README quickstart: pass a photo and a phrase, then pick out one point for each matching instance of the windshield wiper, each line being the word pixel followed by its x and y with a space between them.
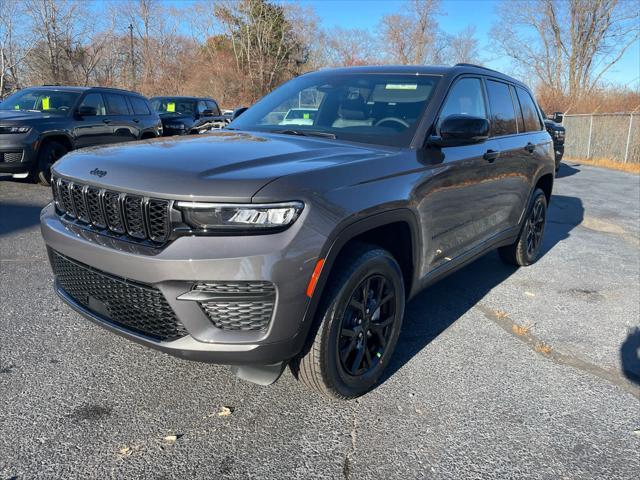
pixel 306 133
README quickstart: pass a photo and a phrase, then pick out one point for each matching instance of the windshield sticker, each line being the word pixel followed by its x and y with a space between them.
pixel 171 107
pixel 17 107
pixel 401 86
pixel 45 103
pixel 305 116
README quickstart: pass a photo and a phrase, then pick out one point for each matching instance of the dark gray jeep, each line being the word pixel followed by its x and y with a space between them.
pixel 272 243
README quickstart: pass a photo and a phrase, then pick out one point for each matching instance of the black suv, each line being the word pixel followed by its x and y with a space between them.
pixel 38 125
pixel 298 241
pixel 188 115
pixel 557 132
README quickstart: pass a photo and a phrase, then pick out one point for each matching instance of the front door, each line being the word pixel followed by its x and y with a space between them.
pixel 93 130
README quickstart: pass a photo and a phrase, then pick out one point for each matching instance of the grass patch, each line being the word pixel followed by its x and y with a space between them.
pixel 543 348
pixel 607 163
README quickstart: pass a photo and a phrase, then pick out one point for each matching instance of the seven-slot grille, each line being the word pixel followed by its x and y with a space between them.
pixel 137 217
pixel 134 306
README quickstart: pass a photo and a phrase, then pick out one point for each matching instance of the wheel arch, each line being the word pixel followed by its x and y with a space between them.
pixel 375 230
pixel 58 137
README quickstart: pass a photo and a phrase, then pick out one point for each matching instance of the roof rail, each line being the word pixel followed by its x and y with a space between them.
pixel 116 89
pixel 475 66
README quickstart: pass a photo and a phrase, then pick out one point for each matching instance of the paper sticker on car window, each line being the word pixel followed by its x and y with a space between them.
pixel 17 107
pixel 401 86
pixel 305 116
pixel 171 107
pixel 45 103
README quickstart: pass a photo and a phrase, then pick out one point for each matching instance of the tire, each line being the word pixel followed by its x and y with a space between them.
pixel 526 249
pixel 49 153
pixel 370 342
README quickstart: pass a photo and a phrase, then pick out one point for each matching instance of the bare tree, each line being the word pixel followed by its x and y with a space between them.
pixel 348 47
pixel 463 47
pixel 567 44
pixel 14 46
pixel 413 37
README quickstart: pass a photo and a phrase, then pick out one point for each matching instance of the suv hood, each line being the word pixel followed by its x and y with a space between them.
pixel 17 116
pixel 223 166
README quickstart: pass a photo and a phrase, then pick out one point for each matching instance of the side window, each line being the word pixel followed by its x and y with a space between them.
pixel 503 115
pixel 139 106
pixel 116 104
pixel 96 101
pixel 213 107
pixel 465 98
pixel 529 111
pixel 201 107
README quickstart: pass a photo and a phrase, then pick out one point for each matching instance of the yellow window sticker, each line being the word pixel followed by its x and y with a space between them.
pixel 305 116
pixel 45 103
pixel 171 107
pixel 17 107
pixel 401 86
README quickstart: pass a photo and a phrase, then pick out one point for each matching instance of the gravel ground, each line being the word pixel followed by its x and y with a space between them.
pixel 469 395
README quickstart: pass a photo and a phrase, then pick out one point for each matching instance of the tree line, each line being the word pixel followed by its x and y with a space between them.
pixel 238 50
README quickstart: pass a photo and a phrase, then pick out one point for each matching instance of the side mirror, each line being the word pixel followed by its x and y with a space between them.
pixel 557 117
pixel 238 111
pixel 457 130
pixel 87 111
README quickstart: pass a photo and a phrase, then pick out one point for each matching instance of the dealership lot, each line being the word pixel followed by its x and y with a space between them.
pixel 499 372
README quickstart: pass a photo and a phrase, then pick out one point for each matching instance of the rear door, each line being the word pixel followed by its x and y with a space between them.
pixel 93 130
pixel 460 207
pixel 120 118
pixel 513 168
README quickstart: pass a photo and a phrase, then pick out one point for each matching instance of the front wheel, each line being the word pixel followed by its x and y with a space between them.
pixel 359 321
pixel 49 153
pixel 526 250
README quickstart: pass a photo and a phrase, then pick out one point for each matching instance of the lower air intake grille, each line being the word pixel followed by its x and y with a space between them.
pixel 137 307
pixel 11 157
pixel 239 306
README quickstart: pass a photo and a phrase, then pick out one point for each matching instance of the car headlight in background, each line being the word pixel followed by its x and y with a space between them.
pixel 14 129
pixel 256 217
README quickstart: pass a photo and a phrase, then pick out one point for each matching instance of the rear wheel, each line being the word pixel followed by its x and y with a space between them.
pixel 49 153
pixel 526 250
pixel 359 321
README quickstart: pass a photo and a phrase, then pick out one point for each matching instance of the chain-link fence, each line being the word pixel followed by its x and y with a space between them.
pixel 612 136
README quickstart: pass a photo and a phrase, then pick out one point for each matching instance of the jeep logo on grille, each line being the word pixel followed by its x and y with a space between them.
pixel 98 172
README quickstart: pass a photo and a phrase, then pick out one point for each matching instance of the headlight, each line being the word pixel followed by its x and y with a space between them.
pixel 255 217
pixel 14 129
pixel 176 126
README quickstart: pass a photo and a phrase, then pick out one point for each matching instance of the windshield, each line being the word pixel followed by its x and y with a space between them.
pixel 370 108
pixel 178 106
pixel 54 102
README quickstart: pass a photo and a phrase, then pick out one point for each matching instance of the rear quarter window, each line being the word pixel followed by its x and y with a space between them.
pixel 532 121
pixel 140 106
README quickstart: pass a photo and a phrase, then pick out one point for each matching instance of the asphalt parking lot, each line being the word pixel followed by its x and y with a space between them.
pixel 528 373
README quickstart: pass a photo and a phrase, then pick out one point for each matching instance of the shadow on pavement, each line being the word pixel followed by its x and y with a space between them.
pixel 438 307
pixel 566 170
pixel 16 216
pixel 630 356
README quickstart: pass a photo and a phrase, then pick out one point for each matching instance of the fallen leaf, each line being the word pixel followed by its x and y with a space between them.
pixel 543 348
pixel 418 411
pixel 225 411
pixel 171 438
pixel 500 314
pixel 522 329
pixel 125 451
pixel 530 294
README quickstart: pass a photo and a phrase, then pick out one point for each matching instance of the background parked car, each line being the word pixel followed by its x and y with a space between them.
pixel 38 125
pixel 188 115
pixel 557 132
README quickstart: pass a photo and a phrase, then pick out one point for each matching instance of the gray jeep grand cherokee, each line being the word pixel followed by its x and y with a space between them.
pixel 269 244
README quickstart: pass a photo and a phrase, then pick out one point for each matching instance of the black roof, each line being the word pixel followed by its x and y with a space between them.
pixel 421 70
pixel 73 88
pixel 183 97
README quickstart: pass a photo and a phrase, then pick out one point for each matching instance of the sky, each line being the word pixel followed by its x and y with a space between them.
pixel 456 15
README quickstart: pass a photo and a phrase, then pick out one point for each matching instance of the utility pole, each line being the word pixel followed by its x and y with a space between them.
pixel 131 58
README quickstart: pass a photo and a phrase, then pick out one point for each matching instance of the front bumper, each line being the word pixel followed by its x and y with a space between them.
pixel 285 259
pixel 17 153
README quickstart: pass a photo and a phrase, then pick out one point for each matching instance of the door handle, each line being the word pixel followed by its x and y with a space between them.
pixel 530 147
pixel 136 120
pixel 490 155
pixel 107 121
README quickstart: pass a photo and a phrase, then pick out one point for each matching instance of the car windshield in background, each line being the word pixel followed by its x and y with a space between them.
pixel 54 102
pixel 370 108
pixel 179 106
